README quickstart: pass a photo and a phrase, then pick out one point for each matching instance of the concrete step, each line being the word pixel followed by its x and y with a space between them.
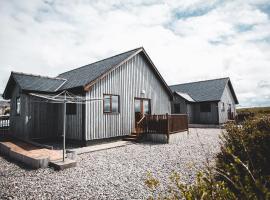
pixel 60 165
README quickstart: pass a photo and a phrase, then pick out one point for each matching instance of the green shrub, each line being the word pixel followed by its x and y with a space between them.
pixel 245 158
pixel 242 169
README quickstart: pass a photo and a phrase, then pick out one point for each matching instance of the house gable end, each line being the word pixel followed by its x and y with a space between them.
pixel 143 53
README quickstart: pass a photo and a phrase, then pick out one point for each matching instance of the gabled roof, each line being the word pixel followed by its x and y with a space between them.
pixel 83 75
pixel 208 90
pixel 30 82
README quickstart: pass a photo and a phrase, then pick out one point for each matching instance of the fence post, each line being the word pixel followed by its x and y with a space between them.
pixel 168 127
pixel 187 124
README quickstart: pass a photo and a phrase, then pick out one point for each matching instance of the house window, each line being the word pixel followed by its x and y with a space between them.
pixel 71 109
pixel 111 103
pixel 177 109
pixel 18 105
pixel 205 107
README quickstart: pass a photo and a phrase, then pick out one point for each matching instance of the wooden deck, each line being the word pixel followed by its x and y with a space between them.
pixel 164 124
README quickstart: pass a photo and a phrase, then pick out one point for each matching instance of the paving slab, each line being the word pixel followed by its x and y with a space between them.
pixel 61 165
pixel 98 147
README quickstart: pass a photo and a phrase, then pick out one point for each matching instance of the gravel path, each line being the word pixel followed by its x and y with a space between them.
pixel 117 173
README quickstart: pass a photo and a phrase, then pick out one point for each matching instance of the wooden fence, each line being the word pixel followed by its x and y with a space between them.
pixel 4 124
pixel 164 124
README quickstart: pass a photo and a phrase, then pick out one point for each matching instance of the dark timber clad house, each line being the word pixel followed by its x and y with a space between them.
pixel 128 83
pixel 205 102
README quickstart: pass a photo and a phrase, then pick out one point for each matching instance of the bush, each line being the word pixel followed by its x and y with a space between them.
pixel 245 158
pixel 241 171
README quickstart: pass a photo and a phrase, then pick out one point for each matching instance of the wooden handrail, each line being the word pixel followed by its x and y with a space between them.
pixel 141 120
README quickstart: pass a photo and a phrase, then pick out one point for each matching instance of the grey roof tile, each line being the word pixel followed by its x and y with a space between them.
pixel 88 73
pixel 37 83
pixel 209 90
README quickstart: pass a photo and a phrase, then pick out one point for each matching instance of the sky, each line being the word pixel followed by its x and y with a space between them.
pixel 188 40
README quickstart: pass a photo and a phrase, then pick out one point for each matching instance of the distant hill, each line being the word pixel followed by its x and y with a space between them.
pixel 255 110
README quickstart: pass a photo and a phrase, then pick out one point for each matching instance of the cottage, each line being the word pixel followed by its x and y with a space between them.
pixel 205 102
pixel 129 86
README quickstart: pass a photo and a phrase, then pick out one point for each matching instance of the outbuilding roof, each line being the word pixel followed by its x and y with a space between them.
pixel 208 90
pixel 31 82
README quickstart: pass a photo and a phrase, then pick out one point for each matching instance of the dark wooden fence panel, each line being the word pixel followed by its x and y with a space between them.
pixel 177 123
pixel 155 124
pixel 164 124
pixel 4 124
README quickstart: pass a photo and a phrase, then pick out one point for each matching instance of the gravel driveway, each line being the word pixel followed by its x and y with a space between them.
pixel 117 173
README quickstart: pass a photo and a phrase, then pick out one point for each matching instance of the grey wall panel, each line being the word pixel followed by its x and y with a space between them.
pixel 183 105
pixel 199 117
pixel 74 124
pixel 128 81
pixel 227 99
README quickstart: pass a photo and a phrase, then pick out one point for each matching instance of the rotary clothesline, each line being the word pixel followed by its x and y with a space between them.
pixel 63 97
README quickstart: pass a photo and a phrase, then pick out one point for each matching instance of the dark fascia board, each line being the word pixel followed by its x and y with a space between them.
pixel 8 88
pixel 88 85
pixel 233 92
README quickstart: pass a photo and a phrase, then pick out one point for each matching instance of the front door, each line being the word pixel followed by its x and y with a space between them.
pixel 142 107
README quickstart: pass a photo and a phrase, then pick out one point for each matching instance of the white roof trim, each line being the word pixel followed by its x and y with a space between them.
pixel 185 96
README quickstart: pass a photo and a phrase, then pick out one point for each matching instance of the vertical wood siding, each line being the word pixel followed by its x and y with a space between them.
pixel 74 124
pixel 18 125
pixel 183 105
pixel 127 81
pixel 41 120
pixel 227 98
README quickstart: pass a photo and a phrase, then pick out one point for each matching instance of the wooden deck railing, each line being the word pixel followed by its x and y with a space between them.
pixel 4 124
pixel 164 124
pixel 177 123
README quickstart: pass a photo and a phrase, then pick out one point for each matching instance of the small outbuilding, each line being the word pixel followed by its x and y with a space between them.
pixel 205 102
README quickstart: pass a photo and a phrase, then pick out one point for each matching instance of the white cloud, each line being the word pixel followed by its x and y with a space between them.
pixel 187 40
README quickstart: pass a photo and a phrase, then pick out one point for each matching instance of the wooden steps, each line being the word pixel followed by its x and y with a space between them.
pixel 133 137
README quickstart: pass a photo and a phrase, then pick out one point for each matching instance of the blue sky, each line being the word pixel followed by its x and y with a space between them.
pixel 188 40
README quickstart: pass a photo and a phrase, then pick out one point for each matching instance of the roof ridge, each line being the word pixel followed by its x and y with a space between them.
pixel 101 60
pixel 200 81
pixel 36 75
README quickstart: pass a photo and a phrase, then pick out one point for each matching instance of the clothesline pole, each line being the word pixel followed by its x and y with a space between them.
pixel 64 128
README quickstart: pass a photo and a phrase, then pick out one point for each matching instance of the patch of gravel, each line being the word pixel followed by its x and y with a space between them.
pixel 117 173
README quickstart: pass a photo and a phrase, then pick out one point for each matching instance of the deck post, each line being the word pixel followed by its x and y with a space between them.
pixel 168 127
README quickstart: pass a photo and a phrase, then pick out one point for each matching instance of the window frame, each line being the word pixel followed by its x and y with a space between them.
pixel 18 98
pixel 118 105
pixel 202 108
pixel 69 109
pixel 141 104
